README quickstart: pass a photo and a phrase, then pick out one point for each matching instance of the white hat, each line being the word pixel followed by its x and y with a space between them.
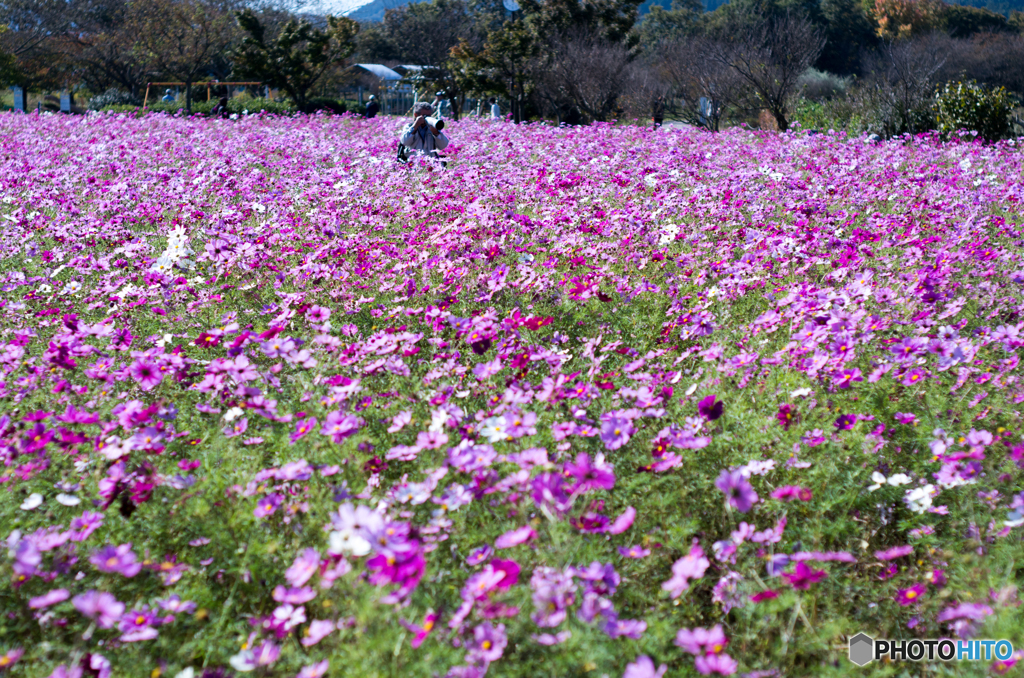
pixel 371 96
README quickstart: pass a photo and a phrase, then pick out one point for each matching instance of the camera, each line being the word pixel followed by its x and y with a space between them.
pixel 438 124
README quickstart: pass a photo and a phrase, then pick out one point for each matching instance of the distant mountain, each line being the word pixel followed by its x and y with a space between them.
pixel 364 10
pixel 373 10
pixel 1003 7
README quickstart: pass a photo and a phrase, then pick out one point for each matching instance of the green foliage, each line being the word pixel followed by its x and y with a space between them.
pixel 848 31
pixel 298 58
pixel 240 106
pixel 963 21
pixel 8 64
pixel 972 107
pixel 660 24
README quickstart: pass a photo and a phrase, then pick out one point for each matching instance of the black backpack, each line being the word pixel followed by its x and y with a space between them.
pixel 403 153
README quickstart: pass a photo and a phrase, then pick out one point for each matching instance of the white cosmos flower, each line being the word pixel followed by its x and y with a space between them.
pixel 68 500
pixel 494 429
pixel 800 393
pixel 894 481
pixel 347 541
pixel 33 502
pixel 919 499
pixel 244 661
pixel 233 413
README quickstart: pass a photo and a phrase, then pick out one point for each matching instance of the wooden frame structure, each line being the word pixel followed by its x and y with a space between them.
pixel 212 83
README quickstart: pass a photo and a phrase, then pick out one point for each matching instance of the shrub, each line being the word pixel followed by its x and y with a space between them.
pixel 970 106
pixel 327 104
pixel 240 106
pixel 819 85
pixel 113 97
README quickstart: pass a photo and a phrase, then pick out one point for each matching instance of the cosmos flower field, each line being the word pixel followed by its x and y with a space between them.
pixel 590 402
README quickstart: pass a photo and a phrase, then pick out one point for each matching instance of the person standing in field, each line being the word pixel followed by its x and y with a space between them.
pixel 421 136
pixel 221 109
pixel 438 104
pixel 658 112
pixel 495 110
pixel 372 107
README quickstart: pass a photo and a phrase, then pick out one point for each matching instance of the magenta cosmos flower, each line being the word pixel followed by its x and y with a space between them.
pixel 803 576
pixel 910 595
pixel 738 492
pixel 146 373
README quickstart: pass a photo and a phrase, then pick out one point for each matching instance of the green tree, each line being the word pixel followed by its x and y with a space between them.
pixel 612 20
pixel 182 38
pixel 298 58
pixel 504 67
pixel 425 33
pixel 8 65
pixel 848 31
pixel 662 25
pixel 962 21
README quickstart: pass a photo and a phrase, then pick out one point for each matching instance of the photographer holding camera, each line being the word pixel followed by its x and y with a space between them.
pixel 424 134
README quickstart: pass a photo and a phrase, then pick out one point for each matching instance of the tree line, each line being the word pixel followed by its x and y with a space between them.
pixel 572 61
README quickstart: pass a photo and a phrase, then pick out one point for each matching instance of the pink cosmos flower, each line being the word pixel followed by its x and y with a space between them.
pixel 691 566
pixel 317 630
pixel 145 373
pixel 314 670
pixel 117 559
pixel 911 595
pixel 102 607
pixel 845 378
pixel 302 427
pixel 10 658
pixel 721 664
pixel 616 430
pixel 634 552
pixel 700 641
pixel 894 552
pixel 791 492
pixel 643 667
pixel 305 566
pixel 267 505
pixel 515 537
pixel 47 599
pixel 421 631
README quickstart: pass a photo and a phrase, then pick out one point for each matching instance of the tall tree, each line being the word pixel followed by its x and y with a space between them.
pixel 848 31
pixel 298 58
pixel 505 67
pixel 425 33
pixel 8 64
pixel 612 20
pixel 662 25
pixel 183 37
pixel 104 48
pixel 35 30
pixel 770 53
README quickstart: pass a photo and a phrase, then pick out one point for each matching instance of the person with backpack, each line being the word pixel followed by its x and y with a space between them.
pixel 372 108
pixel 421 135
